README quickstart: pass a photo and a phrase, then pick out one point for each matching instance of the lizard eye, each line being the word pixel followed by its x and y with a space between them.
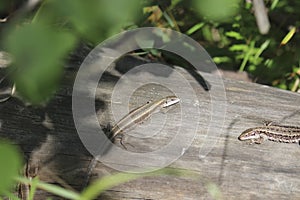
pixel 252 134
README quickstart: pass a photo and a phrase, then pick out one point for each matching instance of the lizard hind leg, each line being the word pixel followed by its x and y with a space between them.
pixel 259 140
pixel 121 140
pixel 270 123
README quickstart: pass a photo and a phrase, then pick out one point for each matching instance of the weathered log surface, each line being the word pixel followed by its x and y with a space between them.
pixel 48 136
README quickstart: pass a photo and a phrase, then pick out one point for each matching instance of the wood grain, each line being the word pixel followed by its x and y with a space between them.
pixel 48 137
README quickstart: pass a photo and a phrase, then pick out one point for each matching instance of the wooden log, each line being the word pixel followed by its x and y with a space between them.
pixel 49 138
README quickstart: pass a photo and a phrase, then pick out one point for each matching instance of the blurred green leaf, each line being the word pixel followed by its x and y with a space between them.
pixel 288 36
pixel 217 10
pixel 107 182
pixel 252 68
pixel 94 20
pixel 169 20
pixel 235 35
pixel 174 3
pixel 33 187
pixel 274 4
pixel 221 59
pixel 54 189
pixel 10 165
pixel 239 47
pixel 143 41
pixel 207 34
pixel 214 191
pixel 281 85
pixel 263 47
pixel 38 54
pixel 195 28
pixel 249 52
pixel 110 181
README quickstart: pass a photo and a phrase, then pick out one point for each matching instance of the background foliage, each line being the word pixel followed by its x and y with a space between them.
pixel 41 39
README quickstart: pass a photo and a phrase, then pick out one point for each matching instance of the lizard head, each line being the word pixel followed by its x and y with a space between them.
pixel 170 100
pixel 249 134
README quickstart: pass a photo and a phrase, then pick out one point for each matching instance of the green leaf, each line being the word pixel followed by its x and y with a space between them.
pixel 144 42
pixel 107 182
pixel 94 20
pixel 252 68
pixel 263 47
pixel 54 189
pixel 288 36
pixel 169 19
pixel 274 4
pixel 247 56
pixel 239 47
pixel 110 181
pixel 214 191
pixel 10 166
pixel 221 59
pixel 217 10
pixel 33 187
pixel 195 28
pixel 235 35
pixel 38 52
pixel 174 3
